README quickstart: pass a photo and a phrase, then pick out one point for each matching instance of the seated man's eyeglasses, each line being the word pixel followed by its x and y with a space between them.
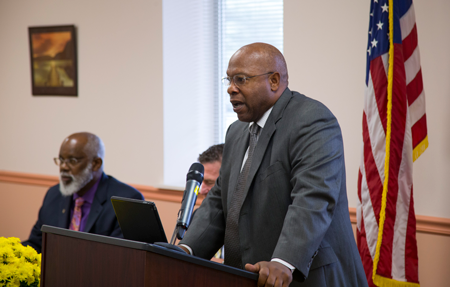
pixel 240 80
pixel 69 161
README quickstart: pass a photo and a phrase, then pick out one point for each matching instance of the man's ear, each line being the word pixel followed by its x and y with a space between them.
pixel 274 80
pixel 97 164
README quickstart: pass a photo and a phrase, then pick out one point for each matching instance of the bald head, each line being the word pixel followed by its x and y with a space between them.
pixel 267 57
pixel 258 77
pixel 91 144
pixel 81 156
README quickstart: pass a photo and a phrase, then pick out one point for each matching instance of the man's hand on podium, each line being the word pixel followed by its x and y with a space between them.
pixel 271 273
pixel 184 249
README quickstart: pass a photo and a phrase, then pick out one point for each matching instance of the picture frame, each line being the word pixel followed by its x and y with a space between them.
pixel 53 57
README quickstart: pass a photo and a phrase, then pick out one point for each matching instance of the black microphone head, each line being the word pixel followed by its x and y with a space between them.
pixel 196 172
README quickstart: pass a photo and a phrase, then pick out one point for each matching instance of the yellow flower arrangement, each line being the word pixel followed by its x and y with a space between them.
pixel 19 265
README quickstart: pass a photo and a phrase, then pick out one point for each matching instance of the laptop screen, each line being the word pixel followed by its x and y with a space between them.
pixel 138 219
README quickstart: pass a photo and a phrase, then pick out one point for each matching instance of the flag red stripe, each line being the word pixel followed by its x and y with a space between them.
pixel 419 131
pixel 379 80
pixel 374 183
pixel 411 258
pixel 415 88
pixel 398 125
pixel 410 43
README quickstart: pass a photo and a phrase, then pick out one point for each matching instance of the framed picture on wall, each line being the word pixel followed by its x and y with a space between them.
pixel 53 60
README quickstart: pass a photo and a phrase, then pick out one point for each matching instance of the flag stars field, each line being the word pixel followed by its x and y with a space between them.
pixel 380 25
pixel 374 43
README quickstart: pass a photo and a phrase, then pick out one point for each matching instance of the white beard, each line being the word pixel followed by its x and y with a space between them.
pixel 77 183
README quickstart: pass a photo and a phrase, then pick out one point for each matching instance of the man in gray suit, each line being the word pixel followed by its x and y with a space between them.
pixel 291 223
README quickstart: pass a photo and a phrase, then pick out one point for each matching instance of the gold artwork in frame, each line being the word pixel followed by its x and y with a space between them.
pixel 53 60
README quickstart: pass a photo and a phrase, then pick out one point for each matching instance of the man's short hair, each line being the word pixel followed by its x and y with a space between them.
pixel 212 154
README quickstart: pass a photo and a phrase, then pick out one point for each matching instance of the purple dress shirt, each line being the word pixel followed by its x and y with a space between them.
pixel 86 207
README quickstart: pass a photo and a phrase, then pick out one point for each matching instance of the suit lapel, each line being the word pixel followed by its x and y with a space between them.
pixel 242 145
pixel 258 154
pixel 265 136
pixel 64 211
pixel 97 204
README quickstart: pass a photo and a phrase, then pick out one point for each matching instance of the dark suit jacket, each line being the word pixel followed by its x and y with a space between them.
pixel 55 210
pixel 295 205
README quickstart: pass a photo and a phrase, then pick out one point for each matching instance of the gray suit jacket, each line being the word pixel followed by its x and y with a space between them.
pixel 295 205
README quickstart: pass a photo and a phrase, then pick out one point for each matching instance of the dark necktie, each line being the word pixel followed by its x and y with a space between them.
pixel 232 244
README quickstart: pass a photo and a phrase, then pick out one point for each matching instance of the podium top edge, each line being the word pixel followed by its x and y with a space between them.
pixel 147 247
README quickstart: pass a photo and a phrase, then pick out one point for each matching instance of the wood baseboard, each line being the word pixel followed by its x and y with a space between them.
pixel 425 224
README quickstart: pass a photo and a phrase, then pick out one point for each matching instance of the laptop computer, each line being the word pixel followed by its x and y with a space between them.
pixel 138 219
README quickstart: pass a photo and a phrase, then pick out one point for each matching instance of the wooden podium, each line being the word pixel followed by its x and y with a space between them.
pixel 72 258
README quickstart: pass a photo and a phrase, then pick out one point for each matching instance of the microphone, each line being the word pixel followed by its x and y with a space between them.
pixel 194 180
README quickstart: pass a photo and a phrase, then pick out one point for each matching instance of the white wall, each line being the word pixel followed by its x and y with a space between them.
pixel 121 85
pixel 325 46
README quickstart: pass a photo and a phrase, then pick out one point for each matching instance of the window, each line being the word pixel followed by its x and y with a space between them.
pixel 242 22
pixel 199 37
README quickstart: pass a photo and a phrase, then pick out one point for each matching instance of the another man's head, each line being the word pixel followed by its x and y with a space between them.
pixel 211 160
pixel 80 163
pixel 258 75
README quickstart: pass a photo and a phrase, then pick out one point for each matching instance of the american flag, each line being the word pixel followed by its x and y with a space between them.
pixel 394 135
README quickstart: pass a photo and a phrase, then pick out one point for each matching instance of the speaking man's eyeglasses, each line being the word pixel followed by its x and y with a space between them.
pixel 240 80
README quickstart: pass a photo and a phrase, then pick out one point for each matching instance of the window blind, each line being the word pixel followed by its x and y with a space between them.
pixel 199 37
pixel 242 22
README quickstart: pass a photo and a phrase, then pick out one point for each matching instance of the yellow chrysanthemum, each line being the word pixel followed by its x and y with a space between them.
pixel 15 282
pixel 18 263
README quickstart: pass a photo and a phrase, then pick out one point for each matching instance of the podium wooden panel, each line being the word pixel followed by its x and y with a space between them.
pixel 71 258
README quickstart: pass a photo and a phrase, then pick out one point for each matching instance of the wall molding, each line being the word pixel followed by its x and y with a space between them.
pixel 154 193
pixel 169 195
pixel 424 224
pixel 28 178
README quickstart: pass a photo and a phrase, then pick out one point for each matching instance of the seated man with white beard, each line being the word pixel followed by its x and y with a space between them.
pixel 82 199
